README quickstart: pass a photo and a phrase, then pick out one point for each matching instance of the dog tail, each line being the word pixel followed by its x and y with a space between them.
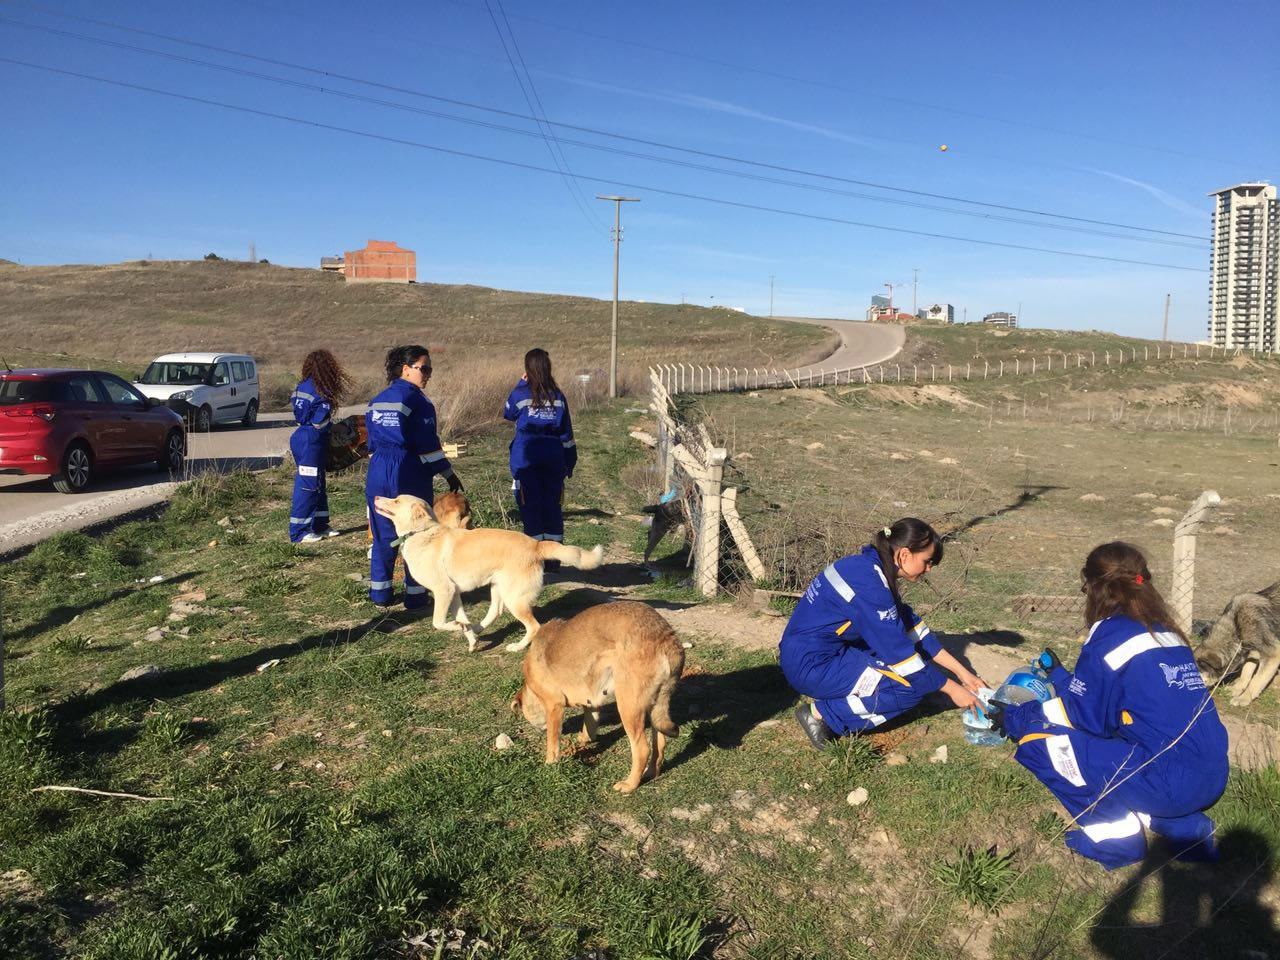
pixel 660 715
pixel 573 556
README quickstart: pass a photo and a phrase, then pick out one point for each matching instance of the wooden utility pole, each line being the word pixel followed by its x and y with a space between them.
pixel 617 241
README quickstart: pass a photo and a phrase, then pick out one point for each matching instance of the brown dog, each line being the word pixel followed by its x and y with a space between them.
pixel 621 651
pixel 448 561
pixel 453 510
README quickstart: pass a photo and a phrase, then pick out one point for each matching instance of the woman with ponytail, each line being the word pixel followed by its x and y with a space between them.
pixel 858 650
pixel 1132 741
pixel 323 386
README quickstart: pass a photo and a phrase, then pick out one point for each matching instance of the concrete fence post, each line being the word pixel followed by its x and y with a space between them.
pixel 1017 365
pixel 707 564
pixel 1002 368
pixel 1184 557
pixel 986 366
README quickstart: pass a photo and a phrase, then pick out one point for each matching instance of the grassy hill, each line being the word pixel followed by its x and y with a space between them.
pixel 122 315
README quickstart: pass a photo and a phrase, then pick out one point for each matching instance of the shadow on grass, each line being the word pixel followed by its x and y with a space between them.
pixel 172 684
pixel 1028 495
pixel 1206 910
pixel 65 613
pixel 719 710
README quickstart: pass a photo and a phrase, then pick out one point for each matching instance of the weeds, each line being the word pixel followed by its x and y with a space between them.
pixel 855 756
pixel 676 938
pixel 980 877
pixel 1048 826
pixel 71 643
pixel 166 731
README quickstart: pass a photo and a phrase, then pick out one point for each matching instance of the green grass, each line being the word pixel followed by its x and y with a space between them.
pixel 349 796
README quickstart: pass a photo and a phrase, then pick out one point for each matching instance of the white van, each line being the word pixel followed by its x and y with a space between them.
pixel 220 387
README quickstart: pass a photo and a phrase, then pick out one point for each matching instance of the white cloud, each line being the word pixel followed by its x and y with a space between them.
pixel 1168 199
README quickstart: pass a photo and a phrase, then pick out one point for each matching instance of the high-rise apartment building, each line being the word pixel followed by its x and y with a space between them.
pixel 1244 267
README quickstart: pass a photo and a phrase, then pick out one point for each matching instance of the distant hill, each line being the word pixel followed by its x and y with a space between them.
pixel 123 315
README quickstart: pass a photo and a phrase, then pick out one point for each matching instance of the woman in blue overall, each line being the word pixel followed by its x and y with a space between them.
pixel 324 383
pixel 1132 740
pixel 543 453
pixel 858 650
pixel 405 454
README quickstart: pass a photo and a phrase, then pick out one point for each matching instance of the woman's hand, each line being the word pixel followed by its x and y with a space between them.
pixel 972 682
pixel 961 697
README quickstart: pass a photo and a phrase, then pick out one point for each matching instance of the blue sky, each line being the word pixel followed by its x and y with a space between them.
pixel 1112 112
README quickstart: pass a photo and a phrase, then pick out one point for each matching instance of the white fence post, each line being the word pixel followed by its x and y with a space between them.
pixel 1017 365
pixel 707 563
pixel 1002 368
pixel 986 366
pixel 1184 557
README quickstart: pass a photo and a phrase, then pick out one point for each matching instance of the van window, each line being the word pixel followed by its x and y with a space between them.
pixel 221 375
pixel 249 370
pixel 237 370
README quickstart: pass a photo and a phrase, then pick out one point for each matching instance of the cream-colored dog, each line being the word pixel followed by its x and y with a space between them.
pixel 448 561
pixel 621 651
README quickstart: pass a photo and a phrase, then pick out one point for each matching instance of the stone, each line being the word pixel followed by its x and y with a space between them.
pixel 1093 497
pixel 503 742
pixel 136 673
pixel 895 759
pixel 153 635
pixel 939 755
pixel 858 797
pixel 224 522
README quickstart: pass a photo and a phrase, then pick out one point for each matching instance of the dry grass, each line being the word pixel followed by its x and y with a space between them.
pixel 122 315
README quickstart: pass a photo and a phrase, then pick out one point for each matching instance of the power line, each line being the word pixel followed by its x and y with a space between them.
pixel 582 129
pixel 671 161
pixel 609 180
pixel 544 129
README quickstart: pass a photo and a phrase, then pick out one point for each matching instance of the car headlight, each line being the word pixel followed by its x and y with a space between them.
pixel 180 395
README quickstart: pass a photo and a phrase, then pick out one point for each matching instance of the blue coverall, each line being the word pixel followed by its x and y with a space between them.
pixel 405 455
pixel 1105 746
pixel 847 647
pixel 309 443
pixel 543 455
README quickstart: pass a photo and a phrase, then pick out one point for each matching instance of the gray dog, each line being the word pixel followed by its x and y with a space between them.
pixel 1248 631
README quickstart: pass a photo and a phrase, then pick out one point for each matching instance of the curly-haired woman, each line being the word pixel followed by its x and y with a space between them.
pixel 324 384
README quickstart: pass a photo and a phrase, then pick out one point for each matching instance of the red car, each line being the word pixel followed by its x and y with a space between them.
pixel 68 424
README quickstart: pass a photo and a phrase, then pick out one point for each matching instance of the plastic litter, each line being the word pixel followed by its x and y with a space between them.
pixel 1021 687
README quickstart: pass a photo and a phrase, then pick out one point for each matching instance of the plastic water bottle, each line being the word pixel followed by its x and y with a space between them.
pixel 977 728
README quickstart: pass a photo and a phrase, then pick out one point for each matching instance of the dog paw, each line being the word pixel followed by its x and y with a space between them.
pixel 517 646
pixel 1241 701
pixel 625 786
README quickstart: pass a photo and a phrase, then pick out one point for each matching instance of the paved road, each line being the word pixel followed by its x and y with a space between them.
pixel 862 344
pixel 30 509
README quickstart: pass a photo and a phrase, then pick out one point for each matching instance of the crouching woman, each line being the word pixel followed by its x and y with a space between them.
pixel 1132 740
pixel 858 650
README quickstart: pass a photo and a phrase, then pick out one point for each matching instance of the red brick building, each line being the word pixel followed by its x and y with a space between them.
pixel 381 261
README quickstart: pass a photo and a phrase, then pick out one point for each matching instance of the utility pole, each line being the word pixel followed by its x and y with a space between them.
pixel 890 286
pixel 617 242
pixel 771 295
pixel 914 276
pixel 253 252
pixel 1165 335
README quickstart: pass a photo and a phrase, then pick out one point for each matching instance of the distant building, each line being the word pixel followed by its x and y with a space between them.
pixel 1244 267
pixel 382 261
pixel 879 300
pixel 331 264
pixel 1001 318
pixel 939 313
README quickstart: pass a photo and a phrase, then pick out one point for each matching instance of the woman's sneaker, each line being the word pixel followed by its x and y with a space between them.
pixel 311 537
pixel 814 728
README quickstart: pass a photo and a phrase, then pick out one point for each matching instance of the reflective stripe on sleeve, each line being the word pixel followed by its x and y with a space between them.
pixel 1113 829
pixel 521 404
pixel 301 395
pixel 921 631
pixel 322 424
pixel 1055 711
pixel 837 581
pixel 567 444
pixel 434 457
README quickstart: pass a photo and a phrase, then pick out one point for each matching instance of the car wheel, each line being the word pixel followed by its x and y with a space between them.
pixel 173 454
pixel 204 419
pixel 250 414
pixel 77 469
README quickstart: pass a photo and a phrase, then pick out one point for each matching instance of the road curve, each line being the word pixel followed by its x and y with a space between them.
pixel 861 344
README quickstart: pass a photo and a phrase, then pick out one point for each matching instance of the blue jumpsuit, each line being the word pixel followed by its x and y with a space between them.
pixel 848 648
pixel 405 454
pixel 310 446
pixel 543 456
pixel 1100 746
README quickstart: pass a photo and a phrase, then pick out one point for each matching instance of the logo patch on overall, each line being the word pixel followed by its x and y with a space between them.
pixel 1183 676
pixel 890 614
